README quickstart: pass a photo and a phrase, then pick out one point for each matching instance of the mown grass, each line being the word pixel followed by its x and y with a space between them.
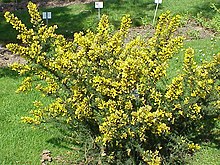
pixel 20 143
pixel 204 50
pixel 208 155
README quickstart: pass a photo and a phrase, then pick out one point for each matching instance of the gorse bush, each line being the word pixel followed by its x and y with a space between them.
pixel 108 86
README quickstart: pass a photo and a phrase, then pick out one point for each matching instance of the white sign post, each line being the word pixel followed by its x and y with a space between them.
pixel 47 16
pixel 99 6
pixel 157 2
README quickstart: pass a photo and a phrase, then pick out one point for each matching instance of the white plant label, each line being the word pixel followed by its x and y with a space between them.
pixel 44 15
pixel 158 1
pixel 47 15
pixel 98 5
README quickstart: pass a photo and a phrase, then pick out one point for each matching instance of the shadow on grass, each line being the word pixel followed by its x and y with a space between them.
pixel 7 33
pixel 211 132
pixel 80 17
pixel 75 138
pixel 87 16
pixel 7 72
pixel 206 10
pixel 61 142
pixel 68 138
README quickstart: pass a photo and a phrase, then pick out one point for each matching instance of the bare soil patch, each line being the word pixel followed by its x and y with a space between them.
pixel 7 58
pixel 191 30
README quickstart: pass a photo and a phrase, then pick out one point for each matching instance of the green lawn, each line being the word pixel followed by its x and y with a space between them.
pixel 208 155
pixel 204 51
pixel 20 143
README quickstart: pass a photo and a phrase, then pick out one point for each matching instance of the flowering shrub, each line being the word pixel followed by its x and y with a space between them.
pixel 110 86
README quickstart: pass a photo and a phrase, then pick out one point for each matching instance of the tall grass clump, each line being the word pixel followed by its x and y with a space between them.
pixel 106 89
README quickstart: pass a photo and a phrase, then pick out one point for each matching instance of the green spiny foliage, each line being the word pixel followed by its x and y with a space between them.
pixel 109 86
